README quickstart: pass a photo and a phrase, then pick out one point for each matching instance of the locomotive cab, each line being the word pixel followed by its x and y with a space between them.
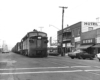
pixel 34 44
pixel 38 45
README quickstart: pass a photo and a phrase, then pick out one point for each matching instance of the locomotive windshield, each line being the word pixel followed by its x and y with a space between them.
pixel 42 34
pixel 32 34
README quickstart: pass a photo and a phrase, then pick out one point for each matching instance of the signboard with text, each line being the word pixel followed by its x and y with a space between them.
pixel 88 26
pixel 88 41
pixel 90 23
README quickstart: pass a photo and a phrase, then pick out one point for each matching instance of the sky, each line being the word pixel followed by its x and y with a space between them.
pixel 17 17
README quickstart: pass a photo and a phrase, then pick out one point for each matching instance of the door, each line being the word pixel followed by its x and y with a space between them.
pixel 39 43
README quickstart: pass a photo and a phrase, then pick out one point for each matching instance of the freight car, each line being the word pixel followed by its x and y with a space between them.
pixel 16 48
pixel 33 44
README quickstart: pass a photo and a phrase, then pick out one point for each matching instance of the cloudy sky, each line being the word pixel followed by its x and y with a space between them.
pixel 17 17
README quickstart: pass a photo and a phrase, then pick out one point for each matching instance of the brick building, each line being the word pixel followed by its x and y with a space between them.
pixel 72 35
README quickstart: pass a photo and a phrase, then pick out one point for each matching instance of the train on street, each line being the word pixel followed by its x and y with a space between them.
pixel 33 44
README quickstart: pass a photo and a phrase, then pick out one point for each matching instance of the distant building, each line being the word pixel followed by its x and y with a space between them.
pixel 72 34
pixel 53 43
pixel 4 48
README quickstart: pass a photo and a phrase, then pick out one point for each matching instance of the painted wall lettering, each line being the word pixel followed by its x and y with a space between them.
pixel 90 23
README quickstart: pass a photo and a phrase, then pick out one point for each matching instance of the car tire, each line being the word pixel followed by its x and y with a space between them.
pixel 72 57
pixel 84 58
pixel 79 57
pixel 91 58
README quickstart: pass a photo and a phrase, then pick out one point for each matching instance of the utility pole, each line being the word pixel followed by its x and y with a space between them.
pixel 41 28
pixel 62 53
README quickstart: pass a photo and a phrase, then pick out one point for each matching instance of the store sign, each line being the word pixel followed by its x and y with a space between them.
pixel 90 24
pixel 88 41
pixel 77 39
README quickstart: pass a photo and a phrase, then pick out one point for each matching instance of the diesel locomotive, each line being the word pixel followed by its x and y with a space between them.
pixel 33 44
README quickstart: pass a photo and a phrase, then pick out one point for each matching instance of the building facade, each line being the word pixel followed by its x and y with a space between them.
pixel 72 35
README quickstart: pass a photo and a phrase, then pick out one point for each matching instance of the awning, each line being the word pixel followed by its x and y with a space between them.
pixel 97 46
pixel 84 46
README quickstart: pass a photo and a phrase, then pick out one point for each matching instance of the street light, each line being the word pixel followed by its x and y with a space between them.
pixel 53 26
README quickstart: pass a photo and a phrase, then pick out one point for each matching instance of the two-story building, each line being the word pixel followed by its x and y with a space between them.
pixel 90 41
pixel 97 41
pixel 72 34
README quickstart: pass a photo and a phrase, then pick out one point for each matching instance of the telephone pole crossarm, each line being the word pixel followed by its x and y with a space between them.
pixel 41 28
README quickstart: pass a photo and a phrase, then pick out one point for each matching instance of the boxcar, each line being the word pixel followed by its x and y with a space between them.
pixel 34 44
pixel 16 48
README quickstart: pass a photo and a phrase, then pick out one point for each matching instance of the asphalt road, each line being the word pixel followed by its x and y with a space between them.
pixel 17 67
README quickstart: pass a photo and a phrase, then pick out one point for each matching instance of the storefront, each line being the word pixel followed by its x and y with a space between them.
pixel 67 46
pixel 88 45
pixel 97 46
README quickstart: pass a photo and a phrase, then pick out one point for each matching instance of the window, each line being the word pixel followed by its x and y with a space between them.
pixel 90 28
pixel 86 41
pixel 78 31
pixel 91 40
pixel 83 41
pixel 72 33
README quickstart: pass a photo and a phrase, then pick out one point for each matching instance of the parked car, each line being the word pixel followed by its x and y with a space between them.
pixel 98 56
pixel 85 55
pixel 80 54
pixel 74 54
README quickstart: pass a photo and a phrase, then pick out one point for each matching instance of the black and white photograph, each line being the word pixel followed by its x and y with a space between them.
pixel 49 40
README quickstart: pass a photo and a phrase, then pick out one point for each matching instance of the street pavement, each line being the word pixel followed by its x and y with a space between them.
pixel 17 67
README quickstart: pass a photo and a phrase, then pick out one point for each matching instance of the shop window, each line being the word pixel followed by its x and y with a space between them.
pixel 91 40
pixel 86 41
pixel 83 41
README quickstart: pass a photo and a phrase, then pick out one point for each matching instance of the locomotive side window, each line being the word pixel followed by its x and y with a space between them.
pixel 46 41
pixel 31 39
